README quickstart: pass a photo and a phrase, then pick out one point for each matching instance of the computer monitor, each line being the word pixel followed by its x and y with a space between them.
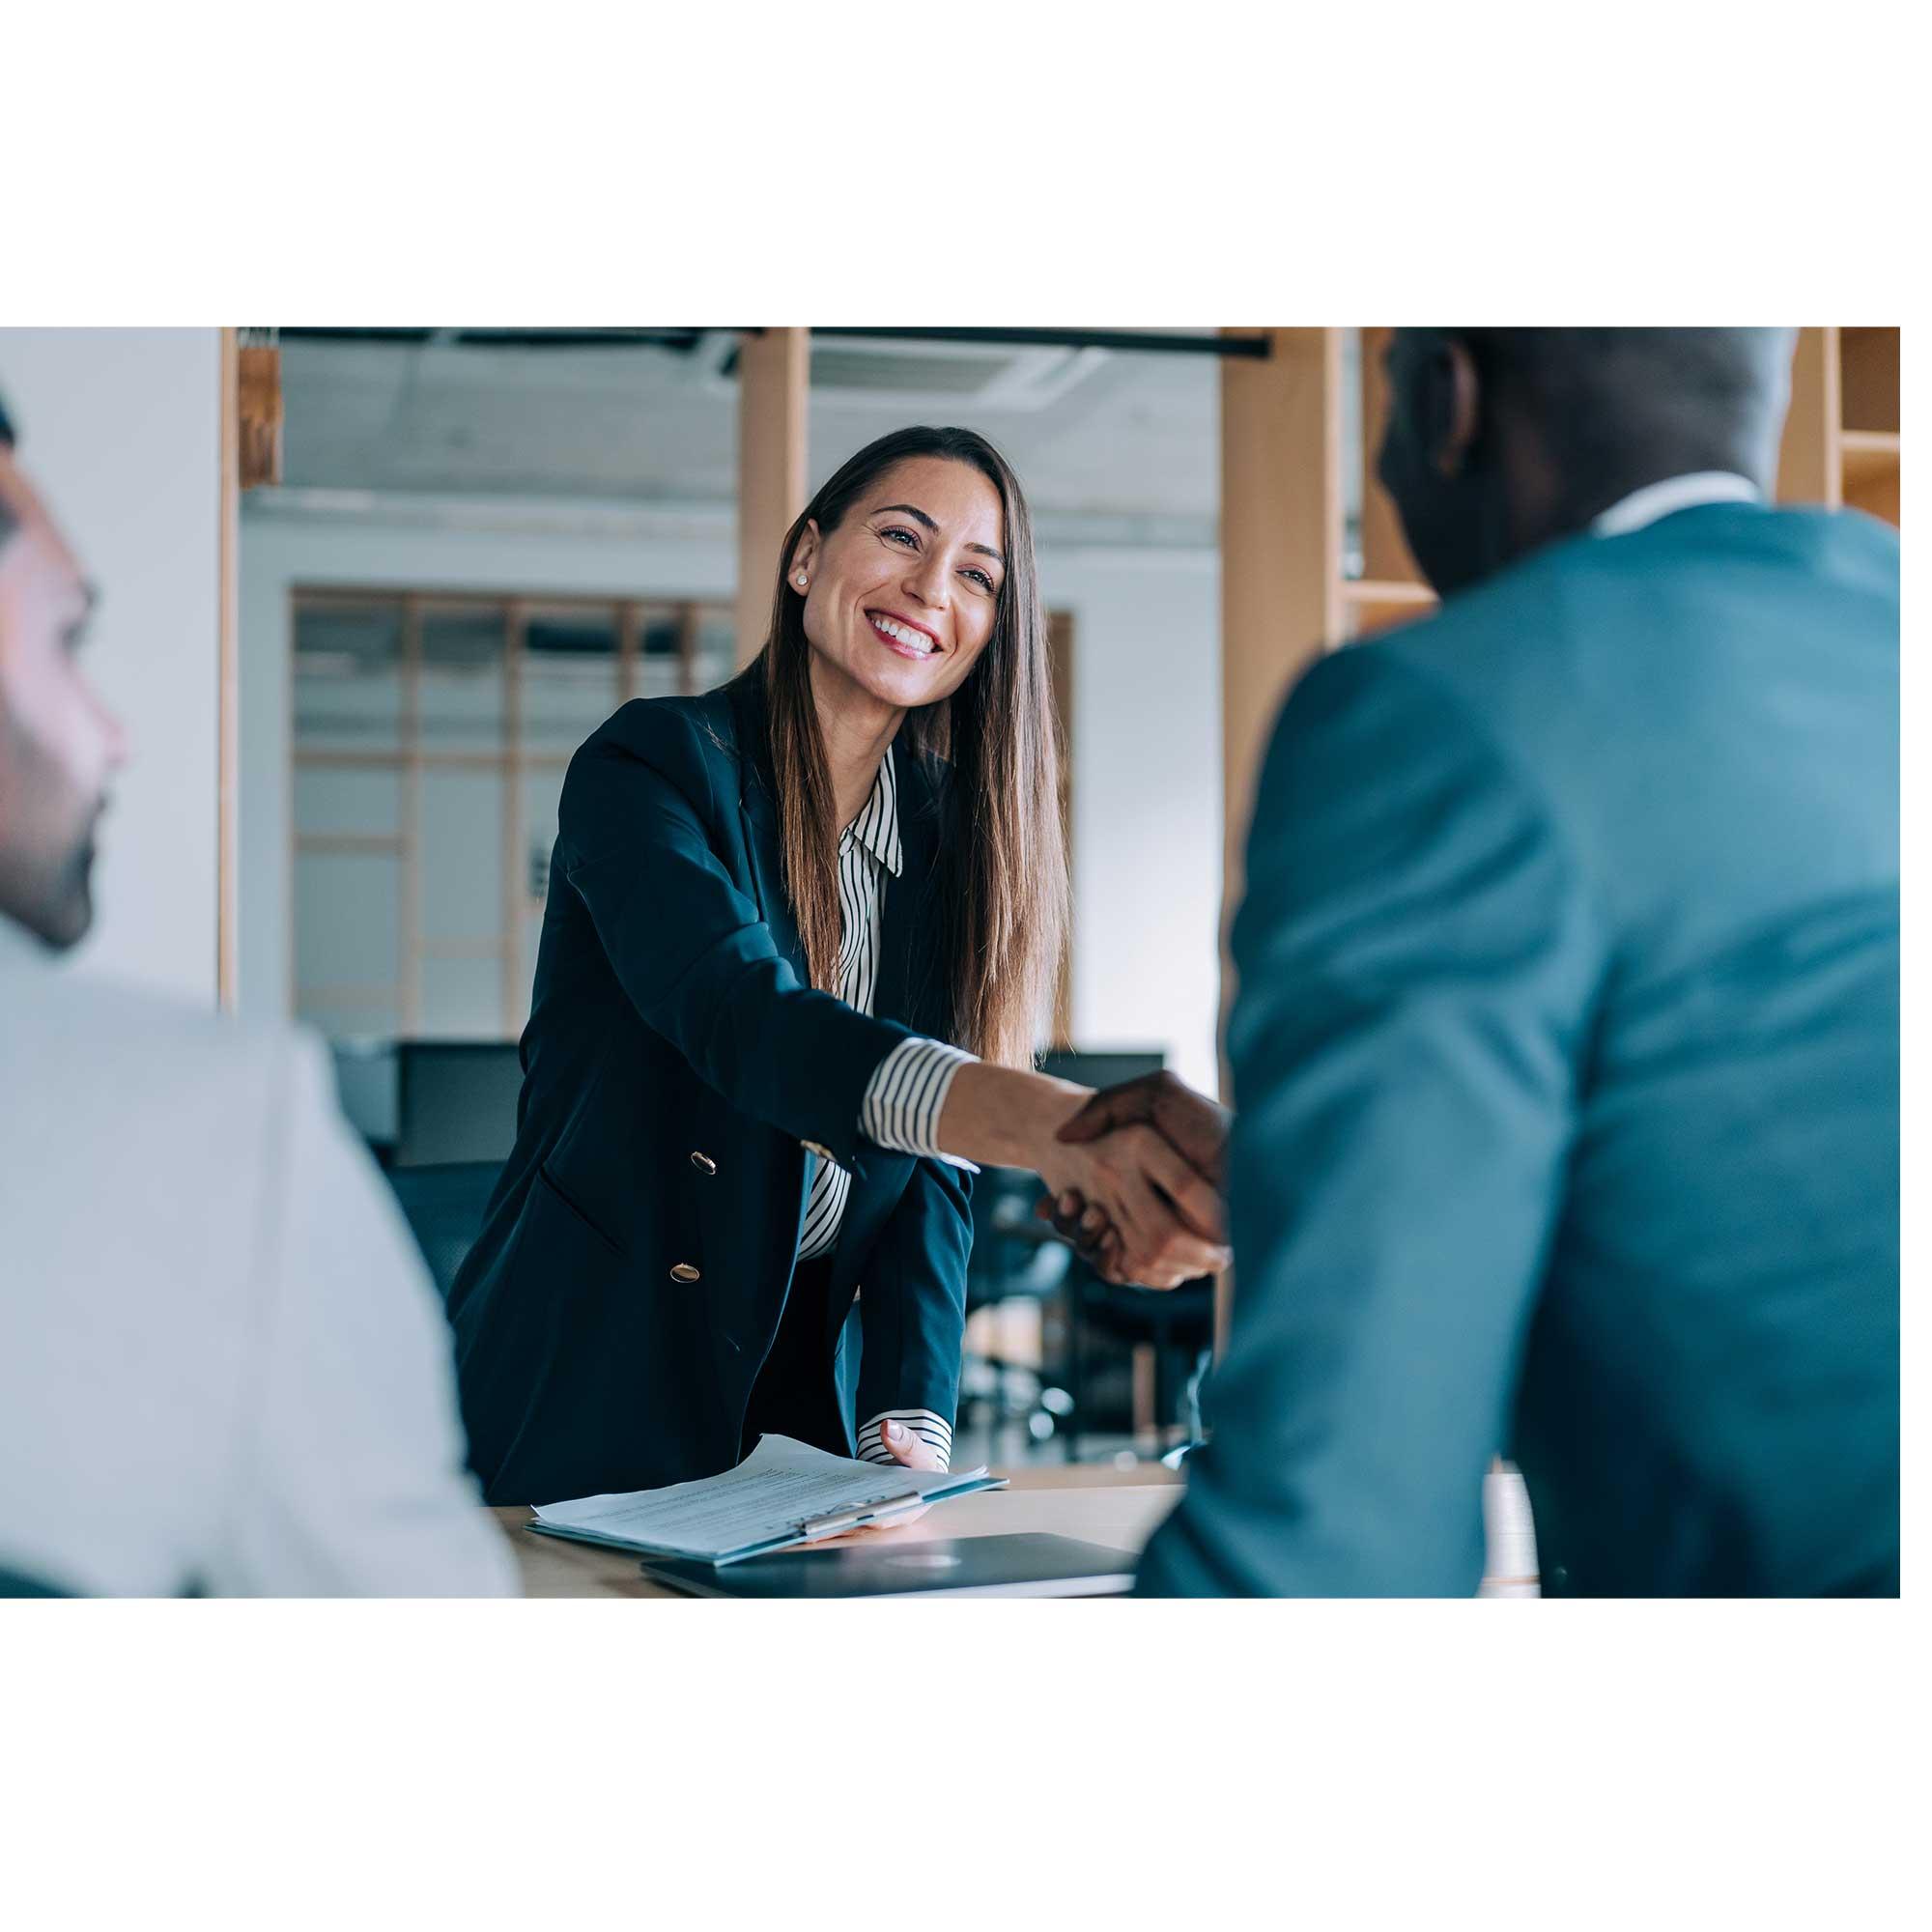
pixel 1106 1069
pixel 455 1101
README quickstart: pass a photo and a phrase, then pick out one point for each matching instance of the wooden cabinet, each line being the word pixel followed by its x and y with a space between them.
pixel 1841 436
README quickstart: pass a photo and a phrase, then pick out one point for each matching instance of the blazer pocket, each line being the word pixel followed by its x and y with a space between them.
pixel 546 1182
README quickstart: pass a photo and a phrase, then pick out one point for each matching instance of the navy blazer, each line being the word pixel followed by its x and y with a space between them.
pixel 1566 1074
pixel 639 1245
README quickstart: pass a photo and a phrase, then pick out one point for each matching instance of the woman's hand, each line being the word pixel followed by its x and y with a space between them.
pixel 910 1451
pixel 907 1446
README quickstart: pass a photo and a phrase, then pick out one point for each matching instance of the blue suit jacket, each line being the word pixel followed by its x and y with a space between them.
pixel 673 1019
pixel 1566 1068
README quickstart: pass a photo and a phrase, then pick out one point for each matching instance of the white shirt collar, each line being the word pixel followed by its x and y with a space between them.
pixel 1673 493
pixel 877 825
pixel 21 949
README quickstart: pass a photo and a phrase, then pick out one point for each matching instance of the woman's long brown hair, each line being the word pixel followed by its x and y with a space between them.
pixel 1000 896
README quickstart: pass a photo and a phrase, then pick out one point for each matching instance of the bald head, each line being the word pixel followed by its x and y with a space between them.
pixel 1502 439
pixel 1613 402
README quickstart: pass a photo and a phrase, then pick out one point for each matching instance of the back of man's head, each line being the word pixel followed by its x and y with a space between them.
pixel 1501 438
pixel 1635 400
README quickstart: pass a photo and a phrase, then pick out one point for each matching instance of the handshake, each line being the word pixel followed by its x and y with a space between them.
pixel 1138 1192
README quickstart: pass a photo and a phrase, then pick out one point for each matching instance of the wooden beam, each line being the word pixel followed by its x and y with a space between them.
pixel 409 875
pixel 629 629
pixel 228 756
pixel 1281 549
pixel 516 879
pixel 1868 378
pixel 1281 575
pixel 1385 552
pixel 689 620
pixel 1060 645
pixel 774 370
pixel 1808 459
pixel 258 433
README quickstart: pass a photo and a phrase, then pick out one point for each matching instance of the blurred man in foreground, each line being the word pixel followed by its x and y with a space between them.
pixel 1566 1043
pixel 222 1368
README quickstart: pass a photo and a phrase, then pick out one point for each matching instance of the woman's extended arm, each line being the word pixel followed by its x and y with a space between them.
pixel 1169 1217
pixel 700 965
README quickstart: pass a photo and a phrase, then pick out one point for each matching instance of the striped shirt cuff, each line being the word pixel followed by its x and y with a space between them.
pixel 934 1430
pixel 905 1095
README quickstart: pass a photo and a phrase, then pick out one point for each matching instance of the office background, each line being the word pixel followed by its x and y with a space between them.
pixel 423 564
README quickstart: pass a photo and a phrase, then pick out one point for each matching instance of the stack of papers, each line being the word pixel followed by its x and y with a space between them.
pixel 784 1492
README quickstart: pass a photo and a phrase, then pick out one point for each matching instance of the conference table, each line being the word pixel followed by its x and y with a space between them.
pixel 1096 1502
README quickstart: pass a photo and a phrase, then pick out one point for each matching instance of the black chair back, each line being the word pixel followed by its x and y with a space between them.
pixel 456 1101
pixel 1103 1069
pixel 444 1208
pixel 1011 1253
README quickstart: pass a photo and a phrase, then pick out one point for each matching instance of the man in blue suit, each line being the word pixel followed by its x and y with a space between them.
pixel 1566 1043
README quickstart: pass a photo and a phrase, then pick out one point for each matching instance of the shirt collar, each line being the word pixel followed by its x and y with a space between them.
pixel 22 951
pixel 877 825
pixel 1673 493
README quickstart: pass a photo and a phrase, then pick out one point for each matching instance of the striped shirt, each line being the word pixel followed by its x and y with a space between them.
pixel 904 1100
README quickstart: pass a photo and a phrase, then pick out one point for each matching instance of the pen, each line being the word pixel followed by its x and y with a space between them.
pixel 854 1518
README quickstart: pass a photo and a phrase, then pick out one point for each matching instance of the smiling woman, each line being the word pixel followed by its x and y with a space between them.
pixel 786 924
pixel 907 592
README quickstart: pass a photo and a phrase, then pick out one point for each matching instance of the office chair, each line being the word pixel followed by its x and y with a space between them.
pixel 1012 1257
pixel 444 1207
pixel 456 1101
pixel 1177 1323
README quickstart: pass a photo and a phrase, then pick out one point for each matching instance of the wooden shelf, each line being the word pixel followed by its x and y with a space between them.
pixel 1375 603
pixel 1868 466
pixel 1868 378
pixel 1386 590
pixel 1868 453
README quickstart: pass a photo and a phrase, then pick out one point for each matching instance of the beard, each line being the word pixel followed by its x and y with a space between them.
pixel 53 901
pixel 46 844
pixel 70 900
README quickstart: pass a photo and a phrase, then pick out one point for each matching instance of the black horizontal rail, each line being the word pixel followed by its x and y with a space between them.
pixel 1125 341
pixel 1121 341
pixel 506 338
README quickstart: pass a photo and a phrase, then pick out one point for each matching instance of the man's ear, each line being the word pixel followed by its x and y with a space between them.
pixel 1454 409
pixel 804 555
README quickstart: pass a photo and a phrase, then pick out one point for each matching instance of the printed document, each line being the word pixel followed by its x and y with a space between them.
pixel 784 1492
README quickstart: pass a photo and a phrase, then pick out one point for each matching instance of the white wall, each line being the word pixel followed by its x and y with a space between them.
pixel 1147 854
pixel 120 428
pixel 1146 800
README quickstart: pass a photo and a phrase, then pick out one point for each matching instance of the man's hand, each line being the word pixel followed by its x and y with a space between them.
pixel 1195 1126
pixel 1167 1216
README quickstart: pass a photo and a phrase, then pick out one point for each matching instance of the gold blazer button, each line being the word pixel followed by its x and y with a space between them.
pixel 704 1163
pixel 684 1271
